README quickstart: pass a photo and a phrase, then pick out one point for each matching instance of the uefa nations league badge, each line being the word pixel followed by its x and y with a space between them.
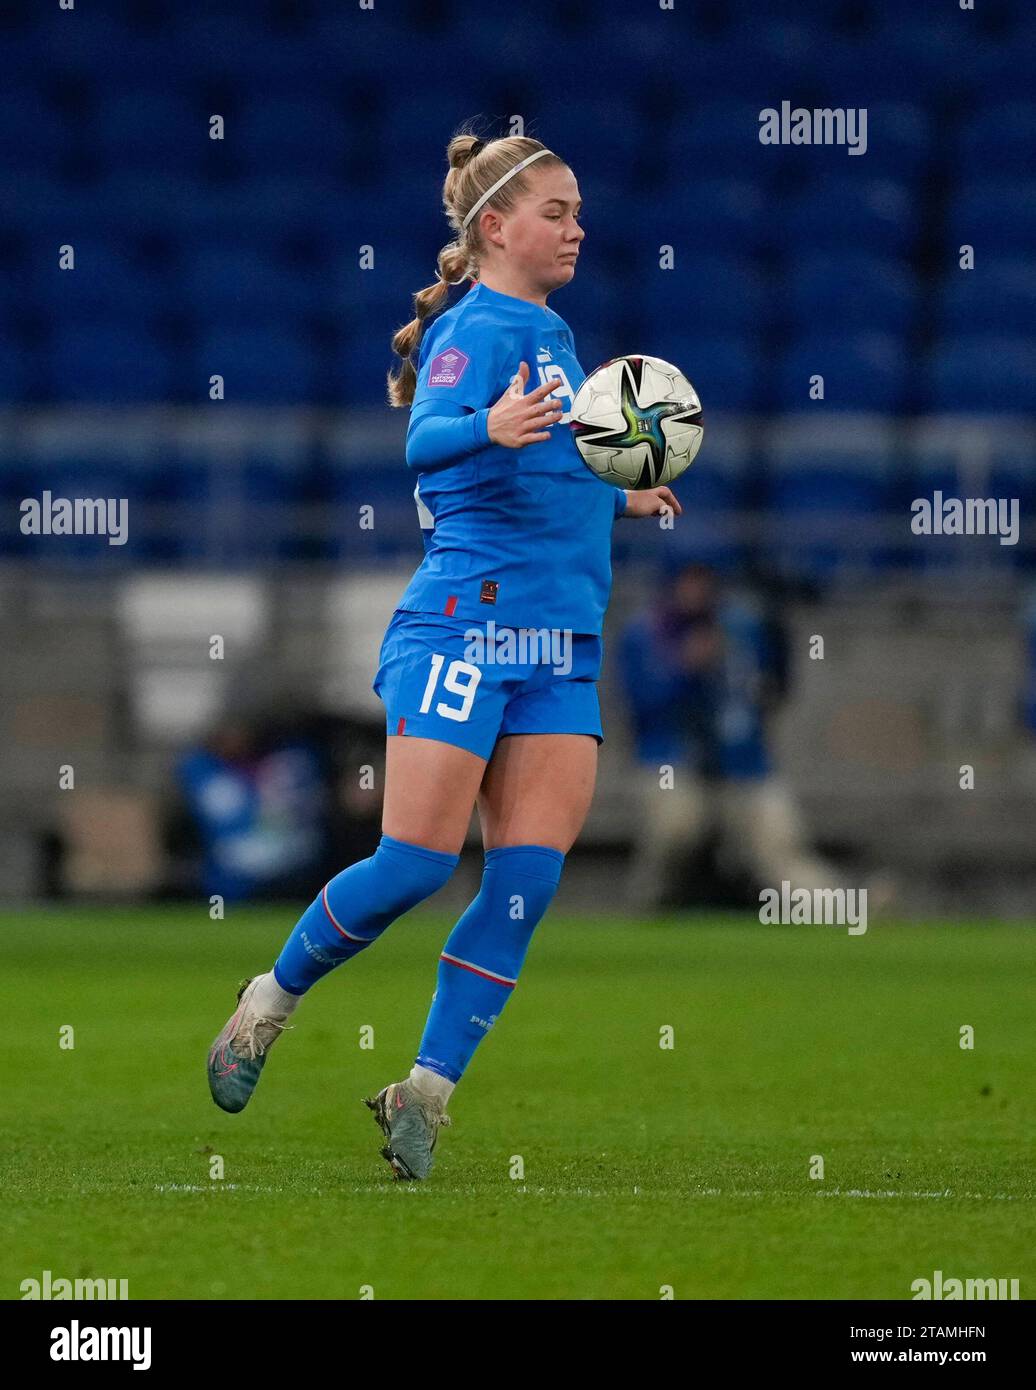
pixel 447 367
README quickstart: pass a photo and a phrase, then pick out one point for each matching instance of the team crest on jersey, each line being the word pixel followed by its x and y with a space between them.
pixel 447 367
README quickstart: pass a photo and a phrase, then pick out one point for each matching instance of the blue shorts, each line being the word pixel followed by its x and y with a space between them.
pixel 469 683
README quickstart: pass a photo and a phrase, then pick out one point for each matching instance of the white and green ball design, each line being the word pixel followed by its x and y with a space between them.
pixel 637 421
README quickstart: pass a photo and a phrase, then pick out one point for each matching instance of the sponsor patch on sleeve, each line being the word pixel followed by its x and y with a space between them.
pixel 447 367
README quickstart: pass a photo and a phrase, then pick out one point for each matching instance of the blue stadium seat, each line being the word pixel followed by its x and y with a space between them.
pixel 726 371
pixel 14 370
pixel 866 70
pixel 996 297
pixel 182 520
pixel 594 303
pixel 847 212
pixel 273 478
pixel 150 127
pixel 1011 70
pixel 401 210
pixel 996 216
pixel 365 52
pixel 40 205
pixel 103 46
pixel 305 134
pixel 824 70
pixel 720 138
pixel 703 294
pixel 899 138
pixel 584 131
pixel 632 45
pixel 596 345
pixel 387 485
pixel 211 43
pixel 998 140
pixel 260 496
pixel 26 33
pixel 186 207
pixel 379 299
pixel 978 457
pixel 261 364
pixel 93 461
pixel 982 372
pixel 35 137
pixel 415 148
pixel 170 205
pixel 277 205
pixel 710 215
pixel 734 66
pixel 359 367
pixel 863 371
pixel 830 490
pixel 110 277
pixel 67 474
pixel 105 361
pixel 851 291
pixel 246 281
pixel 714 492
pixel 819 15
pixel 237 487
pixel 609 223
pixel 936 56
pixel 17 297
pixel 969 456
pixel 367 466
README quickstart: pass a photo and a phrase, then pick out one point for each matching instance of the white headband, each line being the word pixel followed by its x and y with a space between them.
pixel 500 183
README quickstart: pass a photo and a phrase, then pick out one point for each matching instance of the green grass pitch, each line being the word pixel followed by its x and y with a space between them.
pixel 644 1167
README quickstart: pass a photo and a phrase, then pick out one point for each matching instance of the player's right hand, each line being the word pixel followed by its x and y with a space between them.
pixel 518 419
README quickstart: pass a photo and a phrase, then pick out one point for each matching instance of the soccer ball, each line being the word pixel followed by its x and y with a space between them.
pixel 637 422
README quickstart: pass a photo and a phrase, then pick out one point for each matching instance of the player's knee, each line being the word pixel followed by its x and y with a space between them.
pixel 493 935
pixel 413 872
pixel 408 873
pixel 395 878
pixel 523 879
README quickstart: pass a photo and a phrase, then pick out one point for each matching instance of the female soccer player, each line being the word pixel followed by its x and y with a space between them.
pixel 517 534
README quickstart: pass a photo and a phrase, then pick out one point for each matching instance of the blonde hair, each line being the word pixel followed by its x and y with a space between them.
pixel 474 167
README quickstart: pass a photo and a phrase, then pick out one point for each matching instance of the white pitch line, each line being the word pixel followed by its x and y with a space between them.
pixel 854 1193
pixel 947 1192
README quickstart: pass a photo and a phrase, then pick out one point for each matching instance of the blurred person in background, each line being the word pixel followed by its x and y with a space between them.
pixel 702 671
pixel 258 798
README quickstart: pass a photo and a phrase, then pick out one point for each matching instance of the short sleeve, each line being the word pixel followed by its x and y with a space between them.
pixel 621 501
pixel 464 364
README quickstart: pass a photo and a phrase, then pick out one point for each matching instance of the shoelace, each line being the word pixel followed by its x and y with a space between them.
pixel 255 1046
pixel 433 1115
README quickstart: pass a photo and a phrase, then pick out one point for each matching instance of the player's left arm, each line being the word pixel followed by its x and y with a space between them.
pixel 441 433
pixel 651 501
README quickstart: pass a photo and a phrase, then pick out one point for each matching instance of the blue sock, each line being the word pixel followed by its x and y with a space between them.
pixel 483 955
pixel 356 907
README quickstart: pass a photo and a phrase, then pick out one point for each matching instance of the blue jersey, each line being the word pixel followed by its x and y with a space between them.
pixel 522 536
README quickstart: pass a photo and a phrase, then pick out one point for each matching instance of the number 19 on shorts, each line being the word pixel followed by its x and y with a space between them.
pixel 460 679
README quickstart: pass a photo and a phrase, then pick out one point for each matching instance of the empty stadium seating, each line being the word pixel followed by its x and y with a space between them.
pixel 239 256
